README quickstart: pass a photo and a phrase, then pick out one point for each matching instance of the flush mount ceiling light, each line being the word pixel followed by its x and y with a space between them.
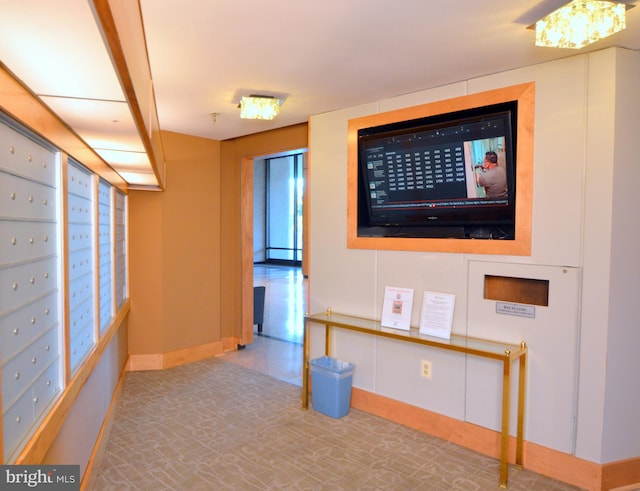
pixel 259 107
pixel 579 23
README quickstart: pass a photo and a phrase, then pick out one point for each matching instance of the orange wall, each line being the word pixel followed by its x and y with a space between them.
pixel 145 273
pixel 186 242
pixel 174 239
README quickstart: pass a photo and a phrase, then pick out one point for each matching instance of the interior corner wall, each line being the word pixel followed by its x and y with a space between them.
pixel 568 338
pixel 232 152
pixel 621 433
pixel 174 240
pixel 230 223
pixel 146 335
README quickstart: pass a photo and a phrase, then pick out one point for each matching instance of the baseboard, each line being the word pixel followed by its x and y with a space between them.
pixel 160 361
pixel 630 487
pixel 623 475
pixel 137 363
pixel 542 460
pixel 230 343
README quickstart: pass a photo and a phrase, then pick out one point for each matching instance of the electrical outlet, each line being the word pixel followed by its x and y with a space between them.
pixel 425 369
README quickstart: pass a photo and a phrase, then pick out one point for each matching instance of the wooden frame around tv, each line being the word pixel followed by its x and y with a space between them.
pixel 524 94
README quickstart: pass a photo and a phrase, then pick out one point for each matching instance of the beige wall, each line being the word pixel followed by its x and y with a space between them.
pixel 145 256
pixel 175 251
pixel 185 243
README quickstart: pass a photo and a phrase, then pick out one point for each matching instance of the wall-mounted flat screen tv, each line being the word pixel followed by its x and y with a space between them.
pixel 448 175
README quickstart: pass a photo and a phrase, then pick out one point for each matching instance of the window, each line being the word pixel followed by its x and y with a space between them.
pixel 284 181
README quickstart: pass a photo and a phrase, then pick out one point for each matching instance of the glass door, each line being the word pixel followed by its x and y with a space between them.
pixel 284 179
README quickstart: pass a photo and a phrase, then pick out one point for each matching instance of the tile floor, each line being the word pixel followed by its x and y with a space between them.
pixel 285 301
pixel 277 352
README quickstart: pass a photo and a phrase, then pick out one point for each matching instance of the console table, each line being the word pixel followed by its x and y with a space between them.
pixel 506 353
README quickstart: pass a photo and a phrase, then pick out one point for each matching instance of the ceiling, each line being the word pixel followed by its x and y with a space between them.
pixel 203 55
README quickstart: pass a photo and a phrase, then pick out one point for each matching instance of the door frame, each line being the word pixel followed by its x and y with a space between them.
pixel 246 245
pixel 246 239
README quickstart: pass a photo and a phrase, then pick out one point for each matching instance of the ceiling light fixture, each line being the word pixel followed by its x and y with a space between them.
pixel 259 107
pixel 579 23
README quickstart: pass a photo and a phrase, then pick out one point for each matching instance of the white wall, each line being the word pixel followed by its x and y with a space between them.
pixel 575 157
pixel 622 401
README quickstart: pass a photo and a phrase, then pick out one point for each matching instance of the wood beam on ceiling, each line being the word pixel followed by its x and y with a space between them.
pixel 122 29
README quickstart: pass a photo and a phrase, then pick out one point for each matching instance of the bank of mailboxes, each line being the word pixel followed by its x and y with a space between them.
pixel 29 320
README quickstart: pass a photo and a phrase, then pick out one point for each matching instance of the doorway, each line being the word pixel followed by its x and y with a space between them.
pixel 276 356
pixel 278 225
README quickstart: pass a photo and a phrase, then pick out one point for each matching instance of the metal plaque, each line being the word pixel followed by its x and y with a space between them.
pixel 520 310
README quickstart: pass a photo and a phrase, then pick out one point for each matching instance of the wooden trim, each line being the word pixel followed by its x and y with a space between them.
pixel 631 487
pixel 622 475
pixel 192 354
pixel 39 444
pixel 122 45
pixel 467 435
pixel 230 343
pixel 161 361
pixel 562 466
pixel 546 461
pixel 246 227
pixel 138 363
pixel 521 245
pixel 21 104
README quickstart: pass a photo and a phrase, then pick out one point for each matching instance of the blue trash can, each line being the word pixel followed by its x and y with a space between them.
pixel 331 386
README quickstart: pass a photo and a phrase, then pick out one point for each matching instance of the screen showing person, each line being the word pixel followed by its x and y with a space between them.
pixel 493 177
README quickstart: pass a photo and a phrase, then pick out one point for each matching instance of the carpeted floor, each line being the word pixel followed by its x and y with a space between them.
pixel 214 425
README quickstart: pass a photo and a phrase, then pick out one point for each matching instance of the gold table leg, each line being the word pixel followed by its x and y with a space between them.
pixel 305 365
pixel 327 340
pixel 504 439
pixel 521 403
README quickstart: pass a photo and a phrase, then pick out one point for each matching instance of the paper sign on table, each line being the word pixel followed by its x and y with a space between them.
pixel 437 314
pixel 396 309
